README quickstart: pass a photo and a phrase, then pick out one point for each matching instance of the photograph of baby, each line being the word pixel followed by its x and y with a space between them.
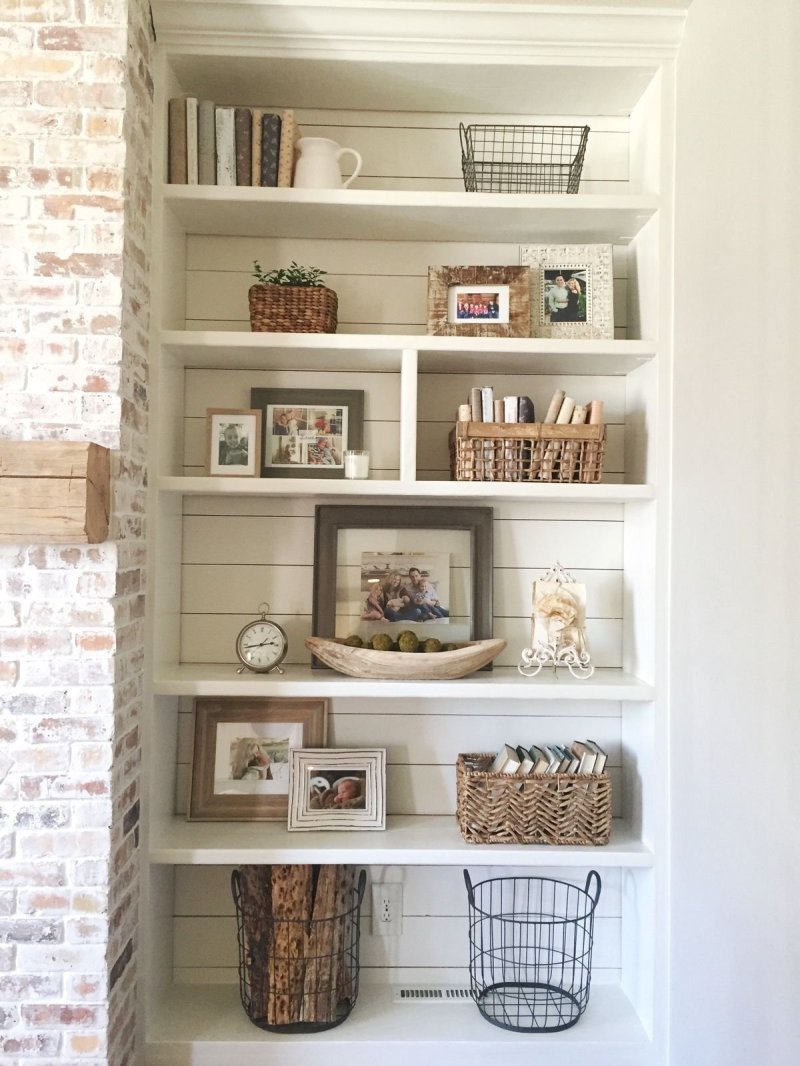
pixel 337 790
pixel 252 758
pixel 405 587
pixel 565 294
pixel 304 436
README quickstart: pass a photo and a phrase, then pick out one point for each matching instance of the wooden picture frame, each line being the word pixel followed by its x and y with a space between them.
pixel 586 313
pixel 337 788
pixel 307 431
pixel 238 741
pixel 341 534
pixel 233 442
pixel 501 305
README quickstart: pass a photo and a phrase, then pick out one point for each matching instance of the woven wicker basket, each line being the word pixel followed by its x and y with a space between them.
pixel 293 309
pixel 541 809
pixel 526 451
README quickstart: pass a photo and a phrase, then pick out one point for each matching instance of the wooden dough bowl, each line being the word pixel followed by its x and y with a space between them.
pixel 405 666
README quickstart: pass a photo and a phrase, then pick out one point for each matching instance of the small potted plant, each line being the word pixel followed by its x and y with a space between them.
pixel 292 299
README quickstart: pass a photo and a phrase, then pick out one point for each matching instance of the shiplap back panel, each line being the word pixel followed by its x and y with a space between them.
pixel 381 285
pixel 433 946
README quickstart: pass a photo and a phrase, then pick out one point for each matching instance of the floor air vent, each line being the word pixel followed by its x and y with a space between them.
pixel 431 994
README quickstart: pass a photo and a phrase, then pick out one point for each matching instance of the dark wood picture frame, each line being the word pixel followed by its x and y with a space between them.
pixel 329 519
pixel 442 279
pixel 352 399
pixel 207 806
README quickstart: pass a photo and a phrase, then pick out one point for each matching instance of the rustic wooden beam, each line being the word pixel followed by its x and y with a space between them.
pixel 54 492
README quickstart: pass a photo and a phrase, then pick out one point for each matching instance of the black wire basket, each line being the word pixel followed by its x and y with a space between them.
pixel 297 976
pixel 522 158
pixel 530 940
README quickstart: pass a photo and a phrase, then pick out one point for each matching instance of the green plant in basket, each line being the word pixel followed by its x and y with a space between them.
pixel 307 277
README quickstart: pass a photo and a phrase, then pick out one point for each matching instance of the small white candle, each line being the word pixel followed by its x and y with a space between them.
pixel 356 464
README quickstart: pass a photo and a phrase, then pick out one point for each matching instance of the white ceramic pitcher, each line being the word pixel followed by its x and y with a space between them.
pixel 318 164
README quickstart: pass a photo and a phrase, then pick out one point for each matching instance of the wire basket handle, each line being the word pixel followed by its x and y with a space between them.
pixel 362 884
pixel 470 889
pixel 593 878
pixel 463 133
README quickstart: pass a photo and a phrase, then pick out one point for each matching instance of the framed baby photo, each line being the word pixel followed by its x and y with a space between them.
pixel 337 788
pixel 479 301
pixel 233 442
pixel 385 570
pixel 307 431
pixel 571 290
pixel 242 753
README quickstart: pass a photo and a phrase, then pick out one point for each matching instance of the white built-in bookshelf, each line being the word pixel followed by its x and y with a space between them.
pixel 395 84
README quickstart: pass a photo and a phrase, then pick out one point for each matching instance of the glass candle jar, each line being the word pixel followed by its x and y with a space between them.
pixel 356 464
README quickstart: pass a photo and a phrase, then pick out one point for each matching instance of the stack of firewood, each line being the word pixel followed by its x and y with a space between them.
pixel 299 938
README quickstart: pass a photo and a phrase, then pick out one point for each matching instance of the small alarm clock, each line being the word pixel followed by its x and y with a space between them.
pixel 262 645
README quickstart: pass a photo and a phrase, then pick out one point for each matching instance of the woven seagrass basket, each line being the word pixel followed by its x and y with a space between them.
pixel 293 309
pixel 539 809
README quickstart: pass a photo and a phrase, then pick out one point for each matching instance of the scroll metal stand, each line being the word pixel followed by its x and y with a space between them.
pixel 555 653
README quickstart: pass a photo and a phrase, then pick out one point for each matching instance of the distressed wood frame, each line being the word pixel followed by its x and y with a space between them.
pixel 442 279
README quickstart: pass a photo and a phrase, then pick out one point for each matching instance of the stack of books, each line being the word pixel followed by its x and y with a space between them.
pixel 580 757
pixel 562 410
pixel 211 145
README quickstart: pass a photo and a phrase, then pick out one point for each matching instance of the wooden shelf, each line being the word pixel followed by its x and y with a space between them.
pixel 378 215
pixel 435 490
pixel 502 683
pixel 413 840
pixel 382 352
pixel 206 1025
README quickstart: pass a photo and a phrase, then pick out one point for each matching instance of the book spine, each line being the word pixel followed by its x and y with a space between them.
pixel 542 452
pixel 191 141
pixel 464 412
pixel 595 413
pixel 226 146
pixel 286 154
pixel 525 412
pixel 206 144
pixel 176 123
pixel 270 149
pixel 573 449
pixel 255 157
pixel 243 135
pixel 510 408
pixel 499 411
pixel 594 418
pixel 475 404
pixel 487 403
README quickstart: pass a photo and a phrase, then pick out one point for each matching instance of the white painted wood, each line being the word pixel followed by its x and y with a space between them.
pixel 407 840
pixel 376 214
pixel 209 1026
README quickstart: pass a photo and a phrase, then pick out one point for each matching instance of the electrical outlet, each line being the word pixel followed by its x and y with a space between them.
pixel 387 909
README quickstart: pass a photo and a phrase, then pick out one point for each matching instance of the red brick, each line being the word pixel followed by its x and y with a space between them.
pixel 58 1015
pixel 84 265
pixel 82 39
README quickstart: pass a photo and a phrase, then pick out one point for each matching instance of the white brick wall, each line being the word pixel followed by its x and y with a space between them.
pixel 75 110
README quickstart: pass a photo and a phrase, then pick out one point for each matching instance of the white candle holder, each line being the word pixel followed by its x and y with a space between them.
pixel 356 464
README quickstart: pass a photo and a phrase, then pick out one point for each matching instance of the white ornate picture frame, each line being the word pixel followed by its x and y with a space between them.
pixel 337 788
pixel 586 268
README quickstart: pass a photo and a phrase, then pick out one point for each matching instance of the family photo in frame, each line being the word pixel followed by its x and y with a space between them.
pixel 307 431
pixel 571 290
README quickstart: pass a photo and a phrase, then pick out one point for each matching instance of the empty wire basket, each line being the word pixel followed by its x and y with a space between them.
pixel 530 941
pixel 522 158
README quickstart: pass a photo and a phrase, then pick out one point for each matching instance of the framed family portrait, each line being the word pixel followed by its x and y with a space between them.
pixel 338 788
pixel 233 442
pixel 242 753
pixel 307 431
pixel 390 569
pixel 571 290
pixel 479 301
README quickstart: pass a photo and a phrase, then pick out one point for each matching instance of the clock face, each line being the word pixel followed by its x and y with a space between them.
pixel 261 645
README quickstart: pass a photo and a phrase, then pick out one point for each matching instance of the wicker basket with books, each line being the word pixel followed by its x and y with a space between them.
pixel 533 451
pixel 505 808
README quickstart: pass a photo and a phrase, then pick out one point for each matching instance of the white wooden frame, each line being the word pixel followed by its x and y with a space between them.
pixel 306 761
pixel 592 259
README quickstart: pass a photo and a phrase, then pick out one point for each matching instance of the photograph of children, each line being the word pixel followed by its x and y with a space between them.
pixel 405 587
pixel 565 293
pixel 478 303
pixel 559 614
pixel 306 436
pixel 252 758
pixel 337 790
pixel 232 442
